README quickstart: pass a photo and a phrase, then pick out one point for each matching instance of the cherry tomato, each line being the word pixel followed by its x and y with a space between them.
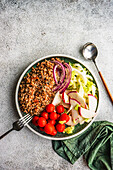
pixel 60 127
pixel 35 120
pixel 60 109
pixel 42 129
pixel 58 116
pixel 54 132
pixel 53 115
pixel 45 115
pixel 50 108
pixel 52 122
pixel 41 122
pixel 49 128
pixel 64 117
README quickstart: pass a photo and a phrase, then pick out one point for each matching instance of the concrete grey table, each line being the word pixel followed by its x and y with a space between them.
pixel 31 29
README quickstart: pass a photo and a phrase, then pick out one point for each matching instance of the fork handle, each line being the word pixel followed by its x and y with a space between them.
pixel 6 133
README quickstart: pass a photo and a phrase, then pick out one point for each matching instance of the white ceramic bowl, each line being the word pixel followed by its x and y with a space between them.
pixel 21 114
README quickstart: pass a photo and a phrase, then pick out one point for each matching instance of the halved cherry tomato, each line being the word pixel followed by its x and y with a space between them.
pixel 35 120
pixel 64 117
pixel 45 115
pixel 54 132
pixel 49 128
pixel 41 122
pixel 51 121
pixel 60 109
pixel 53 115
pixel 50 108
pixel 60 127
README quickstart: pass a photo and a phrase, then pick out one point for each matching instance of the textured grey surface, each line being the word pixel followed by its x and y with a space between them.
pixel 30 29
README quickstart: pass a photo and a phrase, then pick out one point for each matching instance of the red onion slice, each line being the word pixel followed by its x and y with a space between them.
pixel 58 71
pixel 57 87
pixel 54 73
pixel 63 71
pixel 66 83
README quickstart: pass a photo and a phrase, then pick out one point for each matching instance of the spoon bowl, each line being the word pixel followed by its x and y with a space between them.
pixel 90 51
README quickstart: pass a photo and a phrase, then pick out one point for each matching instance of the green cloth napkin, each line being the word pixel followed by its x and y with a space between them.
pixel 96 144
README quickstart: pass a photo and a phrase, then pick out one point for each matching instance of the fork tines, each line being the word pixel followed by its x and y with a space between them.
pixel 25 119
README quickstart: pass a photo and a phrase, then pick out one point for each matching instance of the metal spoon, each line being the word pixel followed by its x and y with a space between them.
pixel 90 52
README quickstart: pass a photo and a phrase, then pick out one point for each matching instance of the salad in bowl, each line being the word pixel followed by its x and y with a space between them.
pixel 61 94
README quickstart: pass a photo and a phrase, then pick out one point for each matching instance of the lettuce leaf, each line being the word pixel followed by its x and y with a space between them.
pixel 69 130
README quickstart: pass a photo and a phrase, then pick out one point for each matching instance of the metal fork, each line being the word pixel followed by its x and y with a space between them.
pixel 19 124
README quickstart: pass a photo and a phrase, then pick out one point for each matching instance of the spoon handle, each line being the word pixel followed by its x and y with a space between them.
pixel 105 85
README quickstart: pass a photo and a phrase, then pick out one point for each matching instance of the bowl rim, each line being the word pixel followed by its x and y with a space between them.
pixel 17 89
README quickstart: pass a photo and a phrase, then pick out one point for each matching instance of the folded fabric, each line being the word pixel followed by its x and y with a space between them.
pixel 96 144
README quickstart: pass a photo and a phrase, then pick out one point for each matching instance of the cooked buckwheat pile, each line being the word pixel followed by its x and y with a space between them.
pixel 36 88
